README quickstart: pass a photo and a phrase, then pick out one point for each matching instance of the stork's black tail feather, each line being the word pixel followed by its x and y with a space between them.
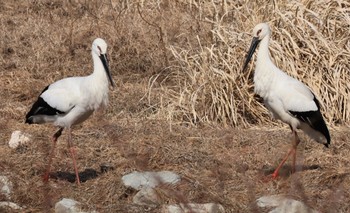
pixel 40 107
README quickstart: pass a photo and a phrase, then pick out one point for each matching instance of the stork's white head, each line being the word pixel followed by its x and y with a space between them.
pixel 261 30
pixel 99 46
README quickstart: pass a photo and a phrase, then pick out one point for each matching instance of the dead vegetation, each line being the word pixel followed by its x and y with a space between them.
pixel 310 42
pixel 180 91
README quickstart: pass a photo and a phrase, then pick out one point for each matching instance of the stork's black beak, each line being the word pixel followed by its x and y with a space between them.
pixel 104 60
pixel 252 48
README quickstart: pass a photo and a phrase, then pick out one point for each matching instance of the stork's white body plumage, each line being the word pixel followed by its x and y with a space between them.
pixel 72 100
pixel 288 99
pixel 77 97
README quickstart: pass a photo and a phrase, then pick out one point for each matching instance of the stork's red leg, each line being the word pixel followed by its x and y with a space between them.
pixel 72 151
pixel 52 152
pixel 275 173
pixel 295 144
pixel 293 151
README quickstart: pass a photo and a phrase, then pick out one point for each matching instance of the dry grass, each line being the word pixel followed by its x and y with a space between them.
pixel 193 51
pixel 175 63
pixel 310 41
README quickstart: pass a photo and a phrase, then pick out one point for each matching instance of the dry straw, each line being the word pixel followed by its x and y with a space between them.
pixel 189 52
pixel 205 84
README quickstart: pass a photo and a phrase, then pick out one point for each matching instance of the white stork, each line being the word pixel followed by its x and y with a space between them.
pixel 71 101
pixel 288 99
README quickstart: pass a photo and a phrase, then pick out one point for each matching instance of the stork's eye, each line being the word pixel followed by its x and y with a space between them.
pixel 259 31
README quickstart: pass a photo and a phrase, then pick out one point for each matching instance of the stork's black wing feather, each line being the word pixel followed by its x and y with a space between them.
pixel 40 107
pixel 314 119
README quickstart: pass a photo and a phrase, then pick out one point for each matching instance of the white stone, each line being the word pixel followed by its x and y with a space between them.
pixel 270 201
pixel 147 196
pixel 67 206
pixel 18 138
pixel 138 180
pixel 194 207
pixel 5 204
pixel 284 204
pixel 5 186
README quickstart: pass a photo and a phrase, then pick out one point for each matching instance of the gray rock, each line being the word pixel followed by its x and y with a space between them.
pixel 18 138
pixel 67 206
pixel 5 186
pixel 194 207
pixel 10 205
pixel 284 204
pixel 147 197
pixel 138 180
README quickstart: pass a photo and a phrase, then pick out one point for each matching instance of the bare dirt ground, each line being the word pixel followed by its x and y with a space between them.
pixel 43 41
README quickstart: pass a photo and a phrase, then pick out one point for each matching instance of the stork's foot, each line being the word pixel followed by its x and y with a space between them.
pixel 274 175
pixel 270 177
pixel 46 177
pixel 269 173
pixel 283 172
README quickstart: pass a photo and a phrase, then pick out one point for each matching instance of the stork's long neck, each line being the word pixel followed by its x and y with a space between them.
pixel 263 57
pixel 99 71
pixel 265 69
pixel 98 84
